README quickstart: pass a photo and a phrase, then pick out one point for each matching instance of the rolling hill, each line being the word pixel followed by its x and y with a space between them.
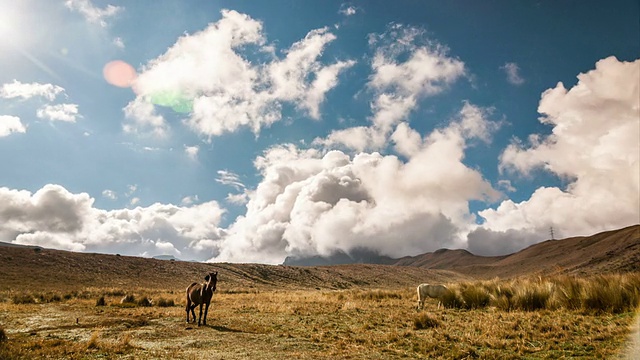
pixel 606 252
pixel 611 251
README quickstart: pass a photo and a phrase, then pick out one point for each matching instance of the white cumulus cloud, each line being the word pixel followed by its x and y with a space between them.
pixel 59 112
pixel 406 67
pixel 206 74
pixel 11 124
pixel 312 202
pixel 17 89
pixel 54 217
pixel 593 146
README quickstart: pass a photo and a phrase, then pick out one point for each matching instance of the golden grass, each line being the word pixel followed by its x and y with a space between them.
pixel 313 324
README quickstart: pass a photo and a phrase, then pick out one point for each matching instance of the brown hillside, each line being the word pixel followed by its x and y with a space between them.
pixel 447 259
pixel 606 252
pixel 68 271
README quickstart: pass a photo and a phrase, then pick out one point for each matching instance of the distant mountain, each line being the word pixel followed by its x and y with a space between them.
pixel 357 256
pixel 166 257
pixel 447 259
pixel 6 244
pixel 609 251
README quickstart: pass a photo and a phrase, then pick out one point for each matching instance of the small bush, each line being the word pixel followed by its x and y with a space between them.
pixel 128 299
pixel 425 321
pixel 475 297
pixel 144 301
pixel 3 335
pixel 162 302
pixel 49 298
pixel 101 301
pixel 23 299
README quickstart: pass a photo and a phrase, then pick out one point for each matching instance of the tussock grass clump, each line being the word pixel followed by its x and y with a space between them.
pixel 23 298
pixel 614 294
pixel 475 296
pixel 531 296
pixel 3 335
pixel 49 297
pixel 128 299
pixel 503 297
pixel 452 299
pixel 162 302
pixel 115 292
pixel 425 321
pixel 378 295
pixel 118 347
pixel 144 301
pixel 568 292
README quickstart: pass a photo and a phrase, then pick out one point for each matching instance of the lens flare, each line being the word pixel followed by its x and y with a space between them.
pixel 119 73
pixel 172 99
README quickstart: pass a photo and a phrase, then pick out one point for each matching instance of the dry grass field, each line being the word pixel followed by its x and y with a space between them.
pixel 64 305
pixel 356 323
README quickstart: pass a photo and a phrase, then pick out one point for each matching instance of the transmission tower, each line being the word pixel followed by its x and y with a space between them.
pixel 551 233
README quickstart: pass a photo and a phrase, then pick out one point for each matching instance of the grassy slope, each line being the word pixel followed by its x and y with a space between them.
pixel 606 252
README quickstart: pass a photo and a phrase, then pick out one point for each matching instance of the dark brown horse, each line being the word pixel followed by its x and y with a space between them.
pixel 200 294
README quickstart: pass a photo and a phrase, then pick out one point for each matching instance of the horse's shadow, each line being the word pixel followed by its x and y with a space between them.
pixel 224 329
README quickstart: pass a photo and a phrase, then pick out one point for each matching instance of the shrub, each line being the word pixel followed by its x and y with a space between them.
pixel 23 299
pixel 49 298
pixel 425 321
pixel 128 299
pixel 162 302
pixel 3 335
pixel 144 301
pixel 101 301
pixel 475 297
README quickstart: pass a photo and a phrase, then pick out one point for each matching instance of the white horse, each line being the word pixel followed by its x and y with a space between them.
pixel 432 291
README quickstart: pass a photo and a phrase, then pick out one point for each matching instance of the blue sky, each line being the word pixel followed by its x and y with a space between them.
pixel 252 131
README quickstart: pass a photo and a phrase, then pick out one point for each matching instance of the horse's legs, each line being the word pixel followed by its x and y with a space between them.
pixel 200 317
pixel 193 313
pixel 187 309
pixel 206 310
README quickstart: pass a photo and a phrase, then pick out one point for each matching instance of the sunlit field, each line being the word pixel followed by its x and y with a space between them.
pixel 557 317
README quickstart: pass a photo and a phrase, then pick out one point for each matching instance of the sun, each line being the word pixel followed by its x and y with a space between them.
pixel 10 20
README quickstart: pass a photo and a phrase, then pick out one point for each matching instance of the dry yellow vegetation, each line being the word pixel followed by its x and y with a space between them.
pixel 357 323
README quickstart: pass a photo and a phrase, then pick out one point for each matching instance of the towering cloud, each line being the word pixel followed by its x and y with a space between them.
pixel 315 202
pixel 593 146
